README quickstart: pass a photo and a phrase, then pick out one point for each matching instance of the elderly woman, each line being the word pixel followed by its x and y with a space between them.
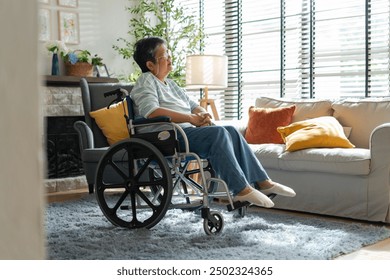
pixel 229 154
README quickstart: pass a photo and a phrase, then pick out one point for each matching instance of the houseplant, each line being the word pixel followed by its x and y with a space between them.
pixel 80 63
pixel 168 20
pixel 77 62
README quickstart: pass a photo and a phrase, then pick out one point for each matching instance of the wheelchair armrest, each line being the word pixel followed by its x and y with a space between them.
pixel 85 135
pixel 151 120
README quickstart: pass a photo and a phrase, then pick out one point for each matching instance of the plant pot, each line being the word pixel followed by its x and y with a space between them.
pixel 80 69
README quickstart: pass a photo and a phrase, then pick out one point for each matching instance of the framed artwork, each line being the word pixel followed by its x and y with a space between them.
pixel 68 3
pixel 44 24
pixel 68 23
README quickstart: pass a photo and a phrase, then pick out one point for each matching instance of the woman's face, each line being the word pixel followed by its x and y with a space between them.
pixel 163 64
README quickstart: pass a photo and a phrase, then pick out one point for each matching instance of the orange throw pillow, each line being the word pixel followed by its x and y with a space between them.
pixel 263 124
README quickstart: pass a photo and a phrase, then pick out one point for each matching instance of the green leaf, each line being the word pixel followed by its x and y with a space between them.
pixel 173 23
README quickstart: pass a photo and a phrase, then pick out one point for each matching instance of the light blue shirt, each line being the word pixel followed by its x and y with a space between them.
pixel 149 93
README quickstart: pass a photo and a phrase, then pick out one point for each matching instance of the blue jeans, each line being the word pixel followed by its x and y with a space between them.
pixel 228 153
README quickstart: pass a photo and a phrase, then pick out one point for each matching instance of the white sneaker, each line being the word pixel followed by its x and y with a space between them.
pixel 255 197
pixel 279 189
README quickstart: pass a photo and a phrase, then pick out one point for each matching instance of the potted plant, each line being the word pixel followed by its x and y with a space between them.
pixel 80 63
pixel 77 62
pixel 167 20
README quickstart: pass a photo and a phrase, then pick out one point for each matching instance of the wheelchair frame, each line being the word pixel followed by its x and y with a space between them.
pixel 138 179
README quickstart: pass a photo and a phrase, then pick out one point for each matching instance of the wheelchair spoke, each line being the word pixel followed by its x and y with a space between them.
pixel 117 169
pixel 146 199
pixel 130 163
pixel 133 209
pixel 106 186
pixel 142 169
pixel 120 201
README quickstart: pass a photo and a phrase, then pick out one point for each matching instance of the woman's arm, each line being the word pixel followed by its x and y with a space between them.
pixel 198 117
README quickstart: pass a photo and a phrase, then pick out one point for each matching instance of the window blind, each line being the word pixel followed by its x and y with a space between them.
pixel 193 8
pixel 338 48
pixel 260 50
pixel 298 49
pixel 378 48
pixel 220 20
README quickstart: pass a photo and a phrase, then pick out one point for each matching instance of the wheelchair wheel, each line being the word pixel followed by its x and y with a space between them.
pixel 133 184
pixel 214 224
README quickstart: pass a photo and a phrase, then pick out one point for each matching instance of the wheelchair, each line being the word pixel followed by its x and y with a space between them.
pixel 140 178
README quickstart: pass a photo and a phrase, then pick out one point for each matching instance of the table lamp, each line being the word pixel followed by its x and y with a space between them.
pixel 206 72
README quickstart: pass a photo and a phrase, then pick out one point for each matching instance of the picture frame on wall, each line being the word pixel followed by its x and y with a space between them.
pixel 44 25
pixel 68 23
pixel 68 3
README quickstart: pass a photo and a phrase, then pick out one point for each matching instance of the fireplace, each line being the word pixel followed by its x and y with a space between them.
pixel 62 107
pixel 62 147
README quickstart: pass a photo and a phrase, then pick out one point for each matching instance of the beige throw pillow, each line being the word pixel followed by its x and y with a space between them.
pixel 363 115
pixel 305 109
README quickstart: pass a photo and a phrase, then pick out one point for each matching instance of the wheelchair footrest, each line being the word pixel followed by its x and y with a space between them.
pixel 240 204
pixel 237 205
pixel 271 196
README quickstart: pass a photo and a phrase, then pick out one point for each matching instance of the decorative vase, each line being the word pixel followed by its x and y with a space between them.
pixel 55 68
pixel 79 69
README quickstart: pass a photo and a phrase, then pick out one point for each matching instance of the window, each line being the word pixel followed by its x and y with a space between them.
pixel 298 49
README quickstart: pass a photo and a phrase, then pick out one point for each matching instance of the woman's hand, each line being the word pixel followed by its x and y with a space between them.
pixel 200 119
pixel 197 117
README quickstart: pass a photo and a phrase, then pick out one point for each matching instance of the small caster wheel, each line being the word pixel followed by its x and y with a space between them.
pixel 213 225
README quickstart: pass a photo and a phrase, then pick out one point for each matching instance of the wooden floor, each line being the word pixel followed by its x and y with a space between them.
pixel 378 251
pixel 66 196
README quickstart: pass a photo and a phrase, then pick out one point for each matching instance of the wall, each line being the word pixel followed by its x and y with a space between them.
pixel 21 153
pixel 22 199
pixel 101 23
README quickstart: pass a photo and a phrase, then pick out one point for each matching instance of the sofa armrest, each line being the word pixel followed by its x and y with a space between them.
pixel 85 135
pixel 379 186
pixel 140 121
pixel 240 125
pixel 380 145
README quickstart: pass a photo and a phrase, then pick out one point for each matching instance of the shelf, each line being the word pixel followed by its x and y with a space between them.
pixel 66 81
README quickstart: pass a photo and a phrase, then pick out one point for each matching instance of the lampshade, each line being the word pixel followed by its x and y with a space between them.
pixel 206 71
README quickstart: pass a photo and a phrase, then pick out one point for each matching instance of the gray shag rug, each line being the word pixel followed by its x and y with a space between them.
pixel 78 230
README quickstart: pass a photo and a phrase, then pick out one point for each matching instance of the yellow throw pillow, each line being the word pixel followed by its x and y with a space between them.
pixel 321 132
pixel 112 122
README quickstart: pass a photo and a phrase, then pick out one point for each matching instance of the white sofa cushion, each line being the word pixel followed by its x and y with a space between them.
pixel 363 115
pixel 268 154
pixel 305 109
pixel 328 160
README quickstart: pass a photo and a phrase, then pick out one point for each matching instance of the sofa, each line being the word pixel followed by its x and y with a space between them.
pixel 347 181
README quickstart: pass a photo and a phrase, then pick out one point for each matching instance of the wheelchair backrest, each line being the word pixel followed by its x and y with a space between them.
pixel 130 107
pixel 92 95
